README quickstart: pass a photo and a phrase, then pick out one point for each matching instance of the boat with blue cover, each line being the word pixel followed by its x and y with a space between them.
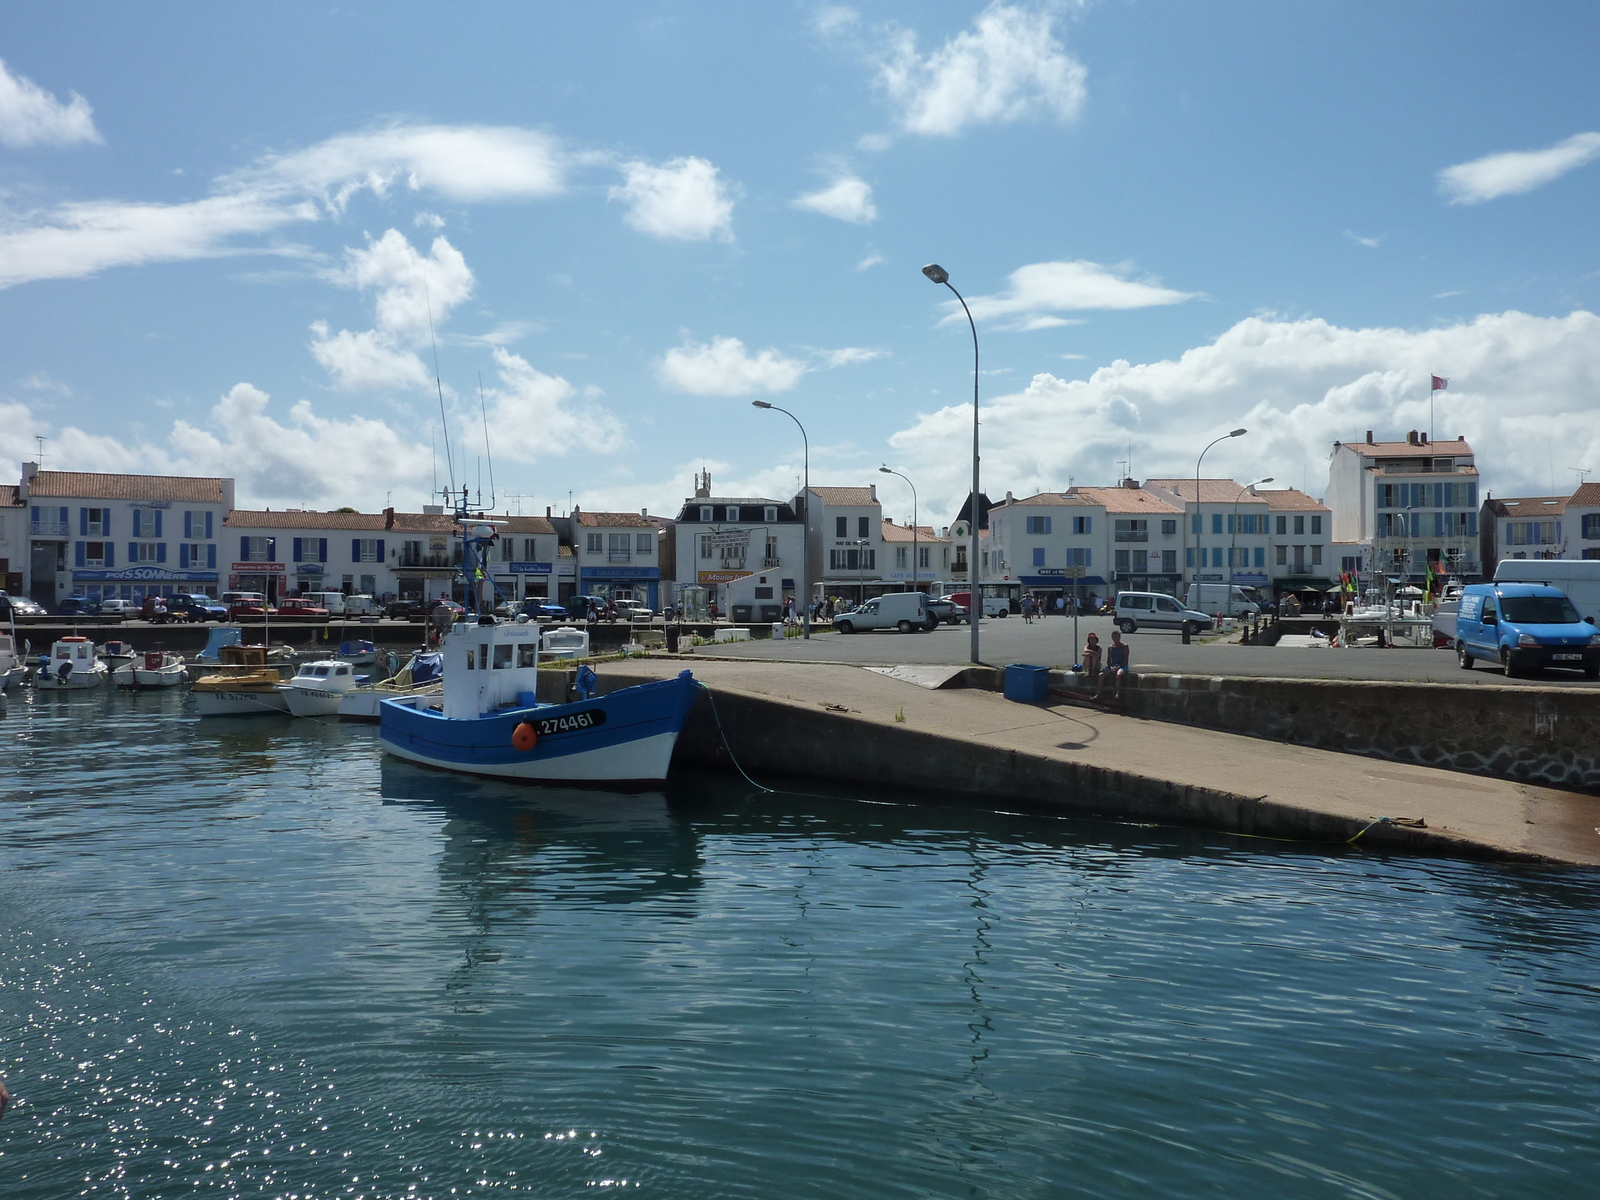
pixel 487 720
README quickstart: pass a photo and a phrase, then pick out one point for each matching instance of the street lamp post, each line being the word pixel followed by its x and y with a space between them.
pixel 1197 514
pixel 805 522
pixel 1233 549
pixel 913 488
pixel 939 275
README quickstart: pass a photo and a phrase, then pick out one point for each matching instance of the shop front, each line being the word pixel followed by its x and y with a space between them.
pixel 271 579
pixel 135 583
pixel 308 577
pixel 1129 581
pixel 524 580
pixel 623 583
pixel 716 585
pixel 1051 583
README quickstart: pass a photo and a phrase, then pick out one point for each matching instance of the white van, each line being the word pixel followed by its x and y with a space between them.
pixel 904 611
pixel 340 605
pixel 1228 599
pixel 1579 578
pixel 1156 610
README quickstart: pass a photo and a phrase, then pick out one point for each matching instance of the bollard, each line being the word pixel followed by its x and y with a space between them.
pixel 1186 633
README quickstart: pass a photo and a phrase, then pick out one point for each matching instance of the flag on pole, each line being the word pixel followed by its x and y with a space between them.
pixel 1439 384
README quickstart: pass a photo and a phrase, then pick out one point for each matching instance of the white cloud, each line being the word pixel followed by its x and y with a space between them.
pixel 1518 384
pixel 1007 68
pixel 849 355
pixel 535 416
pixel 833 19
pixel 409 287
pixel 1371 243
pixel 39 381
pixel 428 220
pixel 459 162
pixel 1039 288
pixel 723 368
pixel 31 116
pixel 682 199
pixel 1516 171
pixel 869 261
pixel 847 199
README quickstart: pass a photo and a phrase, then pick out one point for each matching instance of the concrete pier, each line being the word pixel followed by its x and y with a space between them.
pixel 848 723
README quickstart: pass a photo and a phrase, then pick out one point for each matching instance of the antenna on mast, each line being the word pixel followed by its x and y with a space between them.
pixel 439 383
pixel 488 453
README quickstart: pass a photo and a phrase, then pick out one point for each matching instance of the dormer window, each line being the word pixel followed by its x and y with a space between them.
pixel 733 512
pixel 771 513
pixel 705 513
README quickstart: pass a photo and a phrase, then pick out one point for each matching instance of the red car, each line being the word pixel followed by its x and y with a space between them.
pixel 249 608
pixel 294 607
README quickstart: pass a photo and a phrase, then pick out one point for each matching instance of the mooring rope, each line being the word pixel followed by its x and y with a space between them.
pixel 722 733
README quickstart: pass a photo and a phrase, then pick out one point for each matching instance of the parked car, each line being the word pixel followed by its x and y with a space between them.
pixel 156 610
pixel 247 604
pixel 578 606
pixel 118 608
pixel 340 605
pixel 197 606
pixel 544 610
pixel 948 611
pixel 993 606
pixel 1156 610
pixel 78 606
pixel 904 611
pixel 1524 627
pixel 1230 600
pixel 634 610
pixel 299 606
pixel 406 608
pixel 12 607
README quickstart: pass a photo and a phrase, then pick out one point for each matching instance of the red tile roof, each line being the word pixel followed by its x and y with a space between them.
pixel 902 533
pixel 92 485
pixel 1064 498
pixel 525 525
pixel 9 493
pixel 1290 500
pixel 614 520
pixel 1586 496
pixel 1528 506
pixel 1212 491
pixel 241 518
pixel 1127 500
pixel 1451 449
pixel 845 497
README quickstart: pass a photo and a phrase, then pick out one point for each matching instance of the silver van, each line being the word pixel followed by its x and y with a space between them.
pixel 1156 610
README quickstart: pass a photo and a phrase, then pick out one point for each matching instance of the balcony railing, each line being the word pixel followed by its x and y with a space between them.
pixel 771 564
pixel 1137 536
pixel 619 555
pixel 48 528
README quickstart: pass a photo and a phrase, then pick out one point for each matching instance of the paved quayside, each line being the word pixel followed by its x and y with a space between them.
pixel 849 723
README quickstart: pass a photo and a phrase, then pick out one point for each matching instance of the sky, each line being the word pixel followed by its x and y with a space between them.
pixel 303 246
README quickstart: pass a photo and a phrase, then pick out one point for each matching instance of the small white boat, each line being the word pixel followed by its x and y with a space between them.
pixel 421 676
pixel 318 687
pixel 152 669
pixel 360 652
pixel 71 665
pixel 116 655
pixel 13 665
pixel 244 684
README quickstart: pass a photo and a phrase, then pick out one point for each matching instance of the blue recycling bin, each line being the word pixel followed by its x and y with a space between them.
pixel 1027 684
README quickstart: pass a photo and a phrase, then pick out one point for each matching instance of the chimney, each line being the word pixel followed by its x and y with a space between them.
pixel 1424 438
pixel 1129 482
pixel 546 512
pixel 227 496
pixel 644 512
pixel 388 518
pixel 1369 437
pixel 1010 499
pixel 1252 489
pixel 1411 437
pixel 873 488
pixel 25 485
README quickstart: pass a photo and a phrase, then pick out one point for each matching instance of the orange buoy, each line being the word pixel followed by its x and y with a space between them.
pixel 524 737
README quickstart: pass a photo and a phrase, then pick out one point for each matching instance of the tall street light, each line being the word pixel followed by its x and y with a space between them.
pixel 939 275
pixel 1233 549
pixel 913 488
pixel 1235 433
pixel 805 526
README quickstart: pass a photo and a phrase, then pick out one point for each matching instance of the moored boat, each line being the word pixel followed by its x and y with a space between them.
pixel 419 677
pixel 115 655
pixel 13 663
pixel 316 689
pixel 71 665
pixel 152 669
pixel 242 685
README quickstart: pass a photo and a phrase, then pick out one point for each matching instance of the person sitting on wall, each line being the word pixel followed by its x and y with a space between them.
pixel 1091 657
pixel 1117 662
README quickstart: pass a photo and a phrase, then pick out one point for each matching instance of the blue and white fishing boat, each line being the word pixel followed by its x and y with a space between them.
pixel 488 720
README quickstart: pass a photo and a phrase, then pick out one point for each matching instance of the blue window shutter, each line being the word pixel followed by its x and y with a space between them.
pixel 158 522
pixel 183 555
pixel 297 556
pixel 208 525
pixel 79 553
pixel 244 549
pixel 1086 557
pixel 133 552
pixel 34 515
pixel 105 522
pixel 355 549
pixel 380 550
pixel 65 511
pixel 111 554
pixel 272 549
pixel 322 549
pixel 83 522
pixel 161 552
pixel 188 524
pixel 138 519
pixel 211 557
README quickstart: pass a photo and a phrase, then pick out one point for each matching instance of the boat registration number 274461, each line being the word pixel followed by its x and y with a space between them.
pixel 589 718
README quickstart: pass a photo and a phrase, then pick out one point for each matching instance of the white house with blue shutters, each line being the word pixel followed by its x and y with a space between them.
pixel 108 536
pixel 385 554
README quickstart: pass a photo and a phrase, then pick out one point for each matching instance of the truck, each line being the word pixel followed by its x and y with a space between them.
pixel 993 606
pixel 905 611
pixel 1578 578
pixel 1228 599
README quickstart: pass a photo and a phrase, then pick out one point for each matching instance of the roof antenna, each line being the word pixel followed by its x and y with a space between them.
pixel 483 408
pixel 428 299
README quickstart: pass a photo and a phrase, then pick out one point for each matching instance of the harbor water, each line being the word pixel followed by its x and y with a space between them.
pixel 252 957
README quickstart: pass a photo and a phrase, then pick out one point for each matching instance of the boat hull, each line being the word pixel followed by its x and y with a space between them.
pixel 624 739
pixel 240 704
pixel 363 704
pixel 138 677
pixel 310 702
pixel 75 682
pixel 12 675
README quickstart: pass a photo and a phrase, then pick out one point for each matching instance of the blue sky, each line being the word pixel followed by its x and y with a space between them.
pixel 222 231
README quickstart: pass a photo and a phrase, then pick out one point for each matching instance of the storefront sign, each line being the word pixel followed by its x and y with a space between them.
pixel 308 569
pixel 707 578
pixel 255 568
pixel 729 537
pixel 622 573
pixel 528 568
pixel 133 574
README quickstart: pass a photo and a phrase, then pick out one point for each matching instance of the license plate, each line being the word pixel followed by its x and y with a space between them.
pixel 1566 658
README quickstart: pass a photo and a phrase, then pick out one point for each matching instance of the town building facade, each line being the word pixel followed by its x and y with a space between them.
pixel 1223 532
pixel 1053 543
pixel 719 539
pixel 615 556
pixel 1409 503
pixel 844 533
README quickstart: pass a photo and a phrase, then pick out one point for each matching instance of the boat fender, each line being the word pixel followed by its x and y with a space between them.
pixel 524 737
pixel 585 682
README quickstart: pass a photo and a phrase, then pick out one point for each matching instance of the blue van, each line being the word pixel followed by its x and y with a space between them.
pixel 1524 627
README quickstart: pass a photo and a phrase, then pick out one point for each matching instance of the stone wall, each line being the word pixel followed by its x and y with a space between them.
pixel 1547 736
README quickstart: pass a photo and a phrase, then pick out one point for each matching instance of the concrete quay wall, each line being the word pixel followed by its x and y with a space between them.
pixel 1548 736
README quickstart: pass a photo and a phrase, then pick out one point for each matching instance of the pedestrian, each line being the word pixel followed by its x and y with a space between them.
pixel 1027 609
pixel 1116 669
pixel 1061 606
pixel 1090 654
